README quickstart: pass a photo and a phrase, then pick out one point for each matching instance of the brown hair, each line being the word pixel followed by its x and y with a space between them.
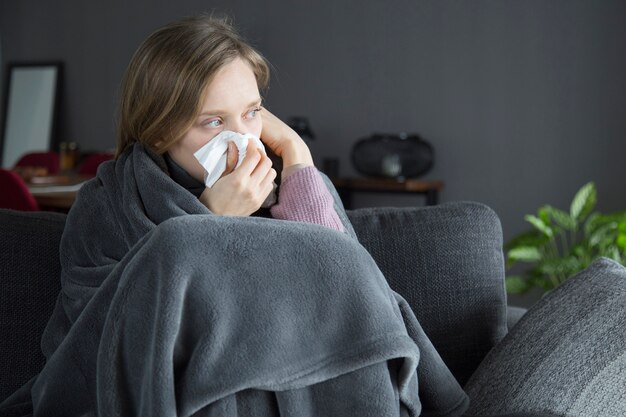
pixel 167 78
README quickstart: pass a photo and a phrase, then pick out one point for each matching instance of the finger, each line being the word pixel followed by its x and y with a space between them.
pixel 232 156
pixel 262 168
pixel 251 160
pixel 268 185
pixel 268 181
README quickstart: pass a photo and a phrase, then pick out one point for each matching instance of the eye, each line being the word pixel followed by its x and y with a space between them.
pixel 213 123
pixel 252 113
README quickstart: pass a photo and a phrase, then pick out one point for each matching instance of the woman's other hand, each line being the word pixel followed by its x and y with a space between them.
pixel 241 191
pixel 284 141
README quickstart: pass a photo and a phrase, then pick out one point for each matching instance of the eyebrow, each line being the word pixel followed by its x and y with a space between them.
pixel 215 112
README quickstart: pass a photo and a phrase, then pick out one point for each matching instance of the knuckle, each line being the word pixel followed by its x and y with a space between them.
pixel 238 183
pixel 248 194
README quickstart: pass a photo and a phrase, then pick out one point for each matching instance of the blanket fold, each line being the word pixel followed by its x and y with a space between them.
pixel 169 310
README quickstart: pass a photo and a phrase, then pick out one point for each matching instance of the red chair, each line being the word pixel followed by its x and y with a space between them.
pixel 15 194
pixel 90 164
pixel 48 160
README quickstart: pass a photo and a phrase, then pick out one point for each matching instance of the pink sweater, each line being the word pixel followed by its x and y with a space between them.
pixel 303 197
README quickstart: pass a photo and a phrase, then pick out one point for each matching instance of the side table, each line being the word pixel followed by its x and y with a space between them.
pixel 347 186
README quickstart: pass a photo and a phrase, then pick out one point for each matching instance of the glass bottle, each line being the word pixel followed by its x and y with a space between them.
pixel 64 157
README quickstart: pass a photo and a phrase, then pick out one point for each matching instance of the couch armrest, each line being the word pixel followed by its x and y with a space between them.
pixel 447 262
pixel 514 314
pixel 29 285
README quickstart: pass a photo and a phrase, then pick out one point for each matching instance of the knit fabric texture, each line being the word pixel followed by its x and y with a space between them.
pixel 303 197
pixel 30 284
pixel 566 356
pixel 446 261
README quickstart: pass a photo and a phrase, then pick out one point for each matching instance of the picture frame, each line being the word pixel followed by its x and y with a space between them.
pixel 31 105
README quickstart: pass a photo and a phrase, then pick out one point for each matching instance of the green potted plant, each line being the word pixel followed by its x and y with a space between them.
pixel 562 243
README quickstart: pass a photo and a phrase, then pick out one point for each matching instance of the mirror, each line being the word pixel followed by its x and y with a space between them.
pixel 30 108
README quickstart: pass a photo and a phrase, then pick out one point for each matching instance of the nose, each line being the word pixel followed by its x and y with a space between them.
pixel 237 126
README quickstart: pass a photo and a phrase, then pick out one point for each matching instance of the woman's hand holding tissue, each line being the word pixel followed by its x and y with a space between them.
pixel 241 191
pixel 284 142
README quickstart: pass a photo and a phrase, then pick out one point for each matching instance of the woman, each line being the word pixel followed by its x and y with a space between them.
pixel 222 76
pixel 175 301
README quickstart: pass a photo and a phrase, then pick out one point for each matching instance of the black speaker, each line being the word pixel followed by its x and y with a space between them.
pixel 392 156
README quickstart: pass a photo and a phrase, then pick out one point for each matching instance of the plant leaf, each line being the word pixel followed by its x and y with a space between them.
pixel 613 253
pixel 561 266
pixel 544 215
pixel 593 222
pixel 530 237
pixel 579 250
pixel 584 201
pixel 516 285
pixel 603 236
pixel 541 281
pixel 561 218
pixel 552 262
pixel 597 220
pixel 525 254
pixel 539 225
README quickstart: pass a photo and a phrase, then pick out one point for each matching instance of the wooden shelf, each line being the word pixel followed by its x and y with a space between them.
pixel 346 186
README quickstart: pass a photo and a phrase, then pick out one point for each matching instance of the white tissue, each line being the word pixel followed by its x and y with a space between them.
pixel 212 156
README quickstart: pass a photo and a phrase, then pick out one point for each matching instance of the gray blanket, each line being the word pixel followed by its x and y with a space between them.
pixel 168 310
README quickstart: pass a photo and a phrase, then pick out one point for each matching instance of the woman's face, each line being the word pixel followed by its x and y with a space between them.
pixel 233 103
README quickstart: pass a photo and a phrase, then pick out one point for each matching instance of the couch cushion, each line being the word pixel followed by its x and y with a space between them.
pixel 566 356
pixel 447 262
pixel 29 284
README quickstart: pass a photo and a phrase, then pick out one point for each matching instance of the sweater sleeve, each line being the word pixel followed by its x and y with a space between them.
pixel 303 197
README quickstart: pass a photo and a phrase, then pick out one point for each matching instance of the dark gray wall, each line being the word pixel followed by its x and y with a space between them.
pixel 95 40
pixel 523 100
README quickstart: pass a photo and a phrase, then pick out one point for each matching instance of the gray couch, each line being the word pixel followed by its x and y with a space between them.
pixel 565 357
pixel 452 254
